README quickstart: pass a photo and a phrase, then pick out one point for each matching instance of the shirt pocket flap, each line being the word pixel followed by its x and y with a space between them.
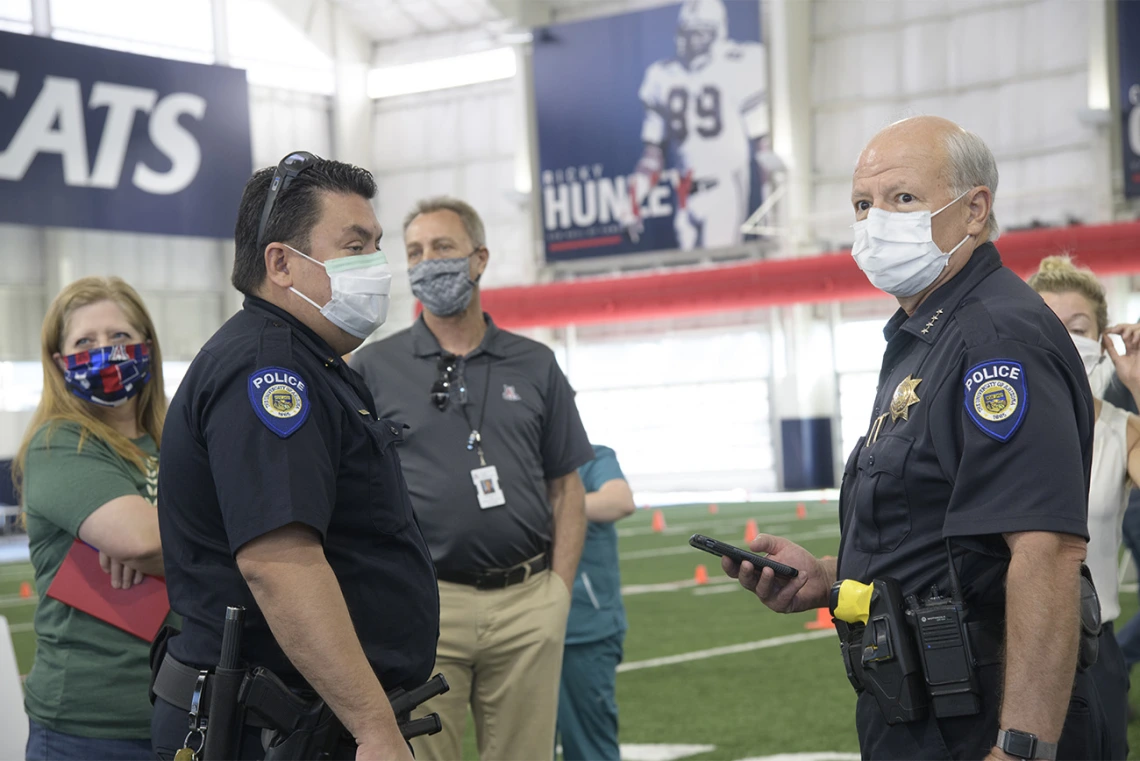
pixel 887 455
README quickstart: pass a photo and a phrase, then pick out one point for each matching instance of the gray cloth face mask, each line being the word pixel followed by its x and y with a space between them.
pixel 443 286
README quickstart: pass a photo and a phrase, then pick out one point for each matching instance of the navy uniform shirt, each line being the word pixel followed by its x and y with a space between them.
pixel 982 425
pixel 596 610
pixel 530 429
pixel 268 428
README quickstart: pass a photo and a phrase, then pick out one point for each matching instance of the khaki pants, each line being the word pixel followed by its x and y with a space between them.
pixel 501 651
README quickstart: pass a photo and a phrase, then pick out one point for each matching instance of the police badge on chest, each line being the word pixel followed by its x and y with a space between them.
pixel 901 402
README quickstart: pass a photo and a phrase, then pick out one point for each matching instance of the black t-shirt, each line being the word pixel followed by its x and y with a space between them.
pixel 982 425
pixel 270 427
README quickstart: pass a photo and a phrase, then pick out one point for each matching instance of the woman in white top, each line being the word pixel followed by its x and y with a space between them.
pixel 1077 298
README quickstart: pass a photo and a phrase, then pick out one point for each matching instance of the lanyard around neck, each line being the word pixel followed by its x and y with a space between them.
pixel 475 438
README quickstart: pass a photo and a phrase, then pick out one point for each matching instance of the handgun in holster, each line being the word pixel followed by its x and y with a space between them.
pixel 308 729
pixel 878 647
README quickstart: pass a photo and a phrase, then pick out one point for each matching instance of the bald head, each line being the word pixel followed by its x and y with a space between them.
pixel 920 130
pixel 947 159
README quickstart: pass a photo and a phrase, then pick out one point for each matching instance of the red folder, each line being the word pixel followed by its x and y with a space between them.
pixel 82 584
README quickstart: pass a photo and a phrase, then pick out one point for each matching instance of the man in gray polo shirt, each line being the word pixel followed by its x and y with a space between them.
pixel 491 462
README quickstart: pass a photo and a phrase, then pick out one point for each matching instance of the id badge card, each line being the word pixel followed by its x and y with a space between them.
pixel 487 487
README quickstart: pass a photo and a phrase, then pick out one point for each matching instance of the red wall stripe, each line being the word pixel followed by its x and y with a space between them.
pixel 1112 249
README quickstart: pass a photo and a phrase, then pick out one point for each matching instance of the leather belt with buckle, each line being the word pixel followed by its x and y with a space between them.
pixel 496 578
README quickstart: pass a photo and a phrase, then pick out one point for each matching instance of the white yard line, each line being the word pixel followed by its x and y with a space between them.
pixel 12 601
pixel 661 751
pixel 683 549
pixel 714 590
pixel 712 523
pixel 819 533
pixel 19 628
pixel 669 586
pixel 745 647
pixel 811 755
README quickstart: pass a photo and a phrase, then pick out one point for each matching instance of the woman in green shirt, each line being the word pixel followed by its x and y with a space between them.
pixel 88 469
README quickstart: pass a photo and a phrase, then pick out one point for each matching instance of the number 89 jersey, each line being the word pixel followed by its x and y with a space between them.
pixel 708 113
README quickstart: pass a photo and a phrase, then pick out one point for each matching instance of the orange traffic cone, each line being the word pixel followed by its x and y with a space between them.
pixel 658 521
pixel 801 511
pixel 750 531
pixel 822 620
pixel 701 577
pixel 25 589
pixel 713 509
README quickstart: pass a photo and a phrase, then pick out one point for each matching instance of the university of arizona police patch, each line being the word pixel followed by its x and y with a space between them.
pixel 996 397
pixel 280 398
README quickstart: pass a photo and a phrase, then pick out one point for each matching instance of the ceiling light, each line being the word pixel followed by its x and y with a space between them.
pixel 442 73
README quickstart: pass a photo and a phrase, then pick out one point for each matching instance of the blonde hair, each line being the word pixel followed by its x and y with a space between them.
pixel 58 405
pixel 1058 274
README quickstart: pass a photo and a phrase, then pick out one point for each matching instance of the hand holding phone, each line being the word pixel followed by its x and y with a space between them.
pixel 738 556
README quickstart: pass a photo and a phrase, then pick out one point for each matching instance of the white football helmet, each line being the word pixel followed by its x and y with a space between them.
pixel 699 25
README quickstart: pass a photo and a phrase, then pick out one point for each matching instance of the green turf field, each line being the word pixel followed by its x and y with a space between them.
pixel 791 697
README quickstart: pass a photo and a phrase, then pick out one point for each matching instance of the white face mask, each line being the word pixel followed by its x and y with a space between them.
pixel 1099 370
pixel 897 251
pixel 360 287
pixel 1090 351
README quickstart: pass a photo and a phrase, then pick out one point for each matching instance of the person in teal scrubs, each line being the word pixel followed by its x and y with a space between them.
pixel 595 631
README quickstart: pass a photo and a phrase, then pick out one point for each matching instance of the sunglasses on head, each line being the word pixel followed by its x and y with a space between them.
pixel 290 167
pixel 441 390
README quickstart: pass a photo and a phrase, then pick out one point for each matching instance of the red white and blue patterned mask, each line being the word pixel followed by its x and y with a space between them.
pixel 110 375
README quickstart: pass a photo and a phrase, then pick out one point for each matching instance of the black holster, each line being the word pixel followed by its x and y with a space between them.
pixel 157 654
pixel 1091 624
pixel 880 657
pixel 227 714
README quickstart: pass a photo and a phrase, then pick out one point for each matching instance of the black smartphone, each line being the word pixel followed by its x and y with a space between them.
pixel 738 556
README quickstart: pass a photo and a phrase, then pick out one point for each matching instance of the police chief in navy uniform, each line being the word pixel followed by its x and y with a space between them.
pixel 981 434
pixel 280 489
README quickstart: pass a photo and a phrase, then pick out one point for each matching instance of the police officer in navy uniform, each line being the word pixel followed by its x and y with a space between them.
pixel 980 442
pixel 280 489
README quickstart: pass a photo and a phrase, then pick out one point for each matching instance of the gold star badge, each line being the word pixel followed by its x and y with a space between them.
pixel 904 397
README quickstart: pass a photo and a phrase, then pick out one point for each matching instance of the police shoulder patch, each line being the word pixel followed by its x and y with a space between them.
pixel 280 398
pixel 996 396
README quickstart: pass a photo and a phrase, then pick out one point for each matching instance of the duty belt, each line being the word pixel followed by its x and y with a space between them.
pixel 175 683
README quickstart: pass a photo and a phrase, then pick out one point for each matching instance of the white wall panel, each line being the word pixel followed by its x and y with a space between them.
pixel 22 309
pixel 925 59
pixel 459 142
pixel 1014 72
pixel 980 49
pixel 12 426
pixel 282 121
pixel 18 261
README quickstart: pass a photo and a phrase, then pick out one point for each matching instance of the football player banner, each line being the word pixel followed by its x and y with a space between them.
pixel 1128 27
pixel 649 125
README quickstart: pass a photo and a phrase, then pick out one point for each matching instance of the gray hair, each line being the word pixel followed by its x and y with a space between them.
pixel 970 164
pixel 470 218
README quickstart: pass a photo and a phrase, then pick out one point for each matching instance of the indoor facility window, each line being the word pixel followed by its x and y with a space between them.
pixel 274 52
pixel 16 16
pixel 182 30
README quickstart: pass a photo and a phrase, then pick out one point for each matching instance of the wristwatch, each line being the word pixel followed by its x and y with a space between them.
pixel 1025 745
